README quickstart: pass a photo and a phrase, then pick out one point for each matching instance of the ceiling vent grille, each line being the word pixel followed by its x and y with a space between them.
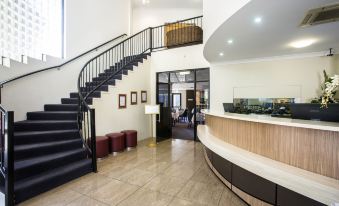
pixel 321 15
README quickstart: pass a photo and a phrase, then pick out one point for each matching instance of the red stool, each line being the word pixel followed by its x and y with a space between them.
pixel 131 138
pixel 117 142
pixel 101 146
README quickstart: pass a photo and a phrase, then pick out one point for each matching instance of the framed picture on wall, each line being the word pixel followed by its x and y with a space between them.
pixel 122 101
pixel 143 96
pixel 134 98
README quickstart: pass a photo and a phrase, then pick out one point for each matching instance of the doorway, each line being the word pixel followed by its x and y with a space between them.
pixel 181 96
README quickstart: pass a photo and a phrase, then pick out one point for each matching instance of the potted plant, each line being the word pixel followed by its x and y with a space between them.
pixel 325 108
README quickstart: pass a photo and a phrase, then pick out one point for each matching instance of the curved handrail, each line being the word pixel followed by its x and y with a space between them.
pixel 61 65
pixel 82 98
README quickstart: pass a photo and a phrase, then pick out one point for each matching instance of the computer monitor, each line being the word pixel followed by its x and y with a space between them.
pixel 228 107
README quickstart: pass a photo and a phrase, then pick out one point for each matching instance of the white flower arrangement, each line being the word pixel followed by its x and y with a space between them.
pixel 331 86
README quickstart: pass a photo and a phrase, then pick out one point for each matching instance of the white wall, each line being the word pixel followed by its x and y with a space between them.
pixel 270 78
pixel 217 12
pixel 88 24
pixel 109 118
pixel 144 17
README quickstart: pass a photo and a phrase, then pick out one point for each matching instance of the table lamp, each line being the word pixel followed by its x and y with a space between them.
pixel 152 110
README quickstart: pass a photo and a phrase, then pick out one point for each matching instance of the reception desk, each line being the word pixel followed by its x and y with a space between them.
pixel 273 161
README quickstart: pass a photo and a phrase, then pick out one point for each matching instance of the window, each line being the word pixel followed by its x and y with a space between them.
pixel 31 28
pixel 176 100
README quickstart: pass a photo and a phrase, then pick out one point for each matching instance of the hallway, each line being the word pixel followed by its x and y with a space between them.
pixel 175 173
pixel 182 131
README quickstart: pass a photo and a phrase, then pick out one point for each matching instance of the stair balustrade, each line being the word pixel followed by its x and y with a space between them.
pixel 7 155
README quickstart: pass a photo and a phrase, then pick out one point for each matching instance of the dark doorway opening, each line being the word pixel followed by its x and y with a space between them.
pixel 181 96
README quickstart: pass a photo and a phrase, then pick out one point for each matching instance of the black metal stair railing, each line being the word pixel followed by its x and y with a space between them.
pixel 7 155
pixel 110 63
pixel 98 71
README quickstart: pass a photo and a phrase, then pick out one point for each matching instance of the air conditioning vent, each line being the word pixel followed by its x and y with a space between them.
pixel 321 15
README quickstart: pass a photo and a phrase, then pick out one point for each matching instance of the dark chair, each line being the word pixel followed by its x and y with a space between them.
pixel 183 116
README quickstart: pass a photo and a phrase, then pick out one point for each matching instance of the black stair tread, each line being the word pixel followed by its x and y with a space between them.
pixel 61 107
pixel 34 185
pixel 53 112
pixel 50 174
pixel 29 133
pixel 76 94
pixel 44 121
pixel 18 165
pixel 45 144
pixel 89 100
pixel 69 105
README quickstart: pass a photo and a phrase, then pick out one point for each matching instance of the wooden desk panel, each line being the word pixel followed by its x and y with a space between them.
pixel 310 149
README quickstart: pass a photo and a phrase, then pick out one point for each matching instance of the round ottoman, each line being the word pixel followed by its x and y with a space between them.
pixel 131 138
pixel 117 142
pixel 101 146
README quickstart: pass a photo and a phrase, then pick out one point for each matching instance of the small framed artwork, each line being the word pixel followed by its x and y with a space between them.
pixel 134 98
pixel 143 96
pixel 122 101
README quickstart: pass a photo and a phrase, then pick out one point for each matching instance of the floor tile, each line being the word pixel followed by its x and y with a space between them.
pixel 228 198
pixel 114 170
pixel 206 175
pixel 87 183
pixel 144 197
pixel 166 184
pixel 182 202
pixel 182 171
pixel 201 193
pixel 56 197
pixel 86 201
pixel 137 177
pixel 113 192
pixel 156 166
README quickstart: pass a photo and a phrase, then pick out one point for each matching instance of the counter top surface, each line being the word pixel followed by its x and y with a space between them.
pixel 315 186
pixel 310 124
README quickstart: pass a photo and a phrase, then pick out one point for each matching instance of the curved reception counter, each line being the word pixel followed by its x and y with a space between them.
pixel 274 161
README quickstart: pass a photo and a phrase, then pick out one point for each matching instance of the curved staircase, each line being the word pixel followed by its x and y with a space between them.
pixel 48 149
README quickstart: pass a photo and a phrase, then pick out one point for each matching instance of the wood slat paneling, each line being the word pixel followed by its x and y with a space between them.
pixel 310 149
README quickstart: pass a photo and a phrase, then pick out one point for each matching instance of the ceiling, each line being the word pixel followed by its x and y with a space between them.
pixel 271 37
pixel 168 3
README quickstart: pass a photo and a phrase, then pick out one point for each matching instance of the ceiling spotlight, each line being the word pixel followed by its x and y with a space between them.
pixel 230 41
pixel 145 2
pixel 257 20
pixel 221 54
pixel 302 43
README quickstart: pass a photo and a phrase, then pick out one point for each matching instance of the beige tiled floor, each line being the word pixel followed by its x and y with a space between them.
pixel 175 174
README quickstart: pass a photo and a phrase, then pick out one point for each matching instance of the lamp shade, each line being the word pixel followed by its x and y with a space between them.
pixel 152 109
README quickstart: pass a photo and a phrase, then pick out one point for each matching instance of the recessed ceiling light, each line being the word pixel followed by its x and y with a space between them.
pixel 184 73
pixel 221 54
pixel 302 43
pixel 230 41
pixel 145 2
pixel 257 20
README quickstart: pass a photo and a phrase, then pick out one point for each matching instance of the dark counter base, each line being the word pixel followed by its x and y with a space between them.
pixel 255 186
